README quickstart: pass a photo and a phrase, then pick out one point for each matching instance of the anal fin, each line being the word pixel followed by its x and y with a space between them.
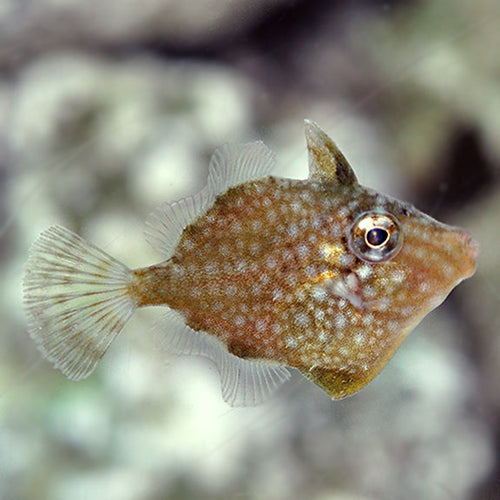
pixel 243 382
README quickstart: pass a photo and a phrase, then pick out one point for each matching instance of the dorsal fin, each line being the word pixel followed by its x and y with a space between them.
pixel 230 165
pixel 166 223
pixel 243 382
pixel 326 162
pixel 233 164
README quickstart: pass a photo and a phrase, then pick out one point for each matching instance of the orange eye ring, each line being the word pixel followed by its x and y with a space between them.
pixel 375 236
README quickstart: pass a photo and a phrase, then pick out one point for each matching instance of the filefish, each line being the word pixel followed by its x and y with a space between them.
pixel 259 274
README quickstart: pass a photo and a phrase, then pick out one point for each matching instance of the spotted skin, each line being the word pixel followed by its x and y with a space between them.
pixel 269 270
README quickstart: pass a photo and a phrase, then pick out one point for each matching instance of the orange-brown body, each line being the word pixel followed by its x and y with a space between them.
pixel 261 271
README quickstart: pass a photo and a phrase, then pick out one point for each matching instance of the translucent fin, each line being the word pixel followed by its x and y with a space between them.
pixel 233 164
pixel 243 382
pixel 76 299
pixel 230 165
pixel 165 224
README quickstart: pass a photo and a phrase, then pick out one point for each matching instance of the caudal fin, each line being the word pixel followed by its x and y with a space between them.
pixel 77 300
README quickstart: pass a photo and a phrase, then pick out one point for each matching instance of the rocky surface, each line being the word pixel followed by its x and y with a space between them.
pixel 102 118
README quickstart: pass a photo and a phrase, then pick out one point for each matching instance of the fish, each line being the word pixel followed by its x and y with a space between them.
pixel 260 275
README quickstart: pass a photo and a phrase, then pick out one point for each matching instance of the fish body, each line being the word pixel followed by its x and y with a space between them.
pixel 323 275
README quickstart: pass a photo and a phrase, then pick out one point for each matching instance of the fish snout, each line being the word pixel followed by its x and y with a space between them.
pixel 470 251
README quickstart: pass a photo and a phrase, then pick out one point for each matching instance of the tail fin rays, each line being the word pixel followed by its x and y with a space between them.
pixel 77 300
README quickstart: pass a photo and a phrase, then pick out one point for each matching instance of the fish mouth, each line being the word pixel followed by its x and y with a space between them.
pixel 471 251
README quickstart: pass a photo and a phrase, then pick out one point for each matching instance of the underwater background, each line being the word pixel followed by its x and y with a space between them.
pixel 107 109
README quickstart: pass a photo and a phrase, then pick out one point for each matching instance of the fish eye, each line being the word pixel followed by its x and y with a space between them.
pixel 375 236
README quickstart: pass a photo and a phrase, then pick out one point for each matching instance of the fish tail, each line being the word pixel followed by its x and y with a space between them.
pixel 77 300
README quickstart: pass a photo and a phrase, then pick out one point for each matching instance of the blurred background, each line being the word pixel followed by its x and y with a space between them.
pixel 109 108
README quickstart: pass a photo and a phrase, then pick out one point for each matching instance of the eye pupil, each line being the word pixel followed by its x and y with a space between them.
pixel 377 236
